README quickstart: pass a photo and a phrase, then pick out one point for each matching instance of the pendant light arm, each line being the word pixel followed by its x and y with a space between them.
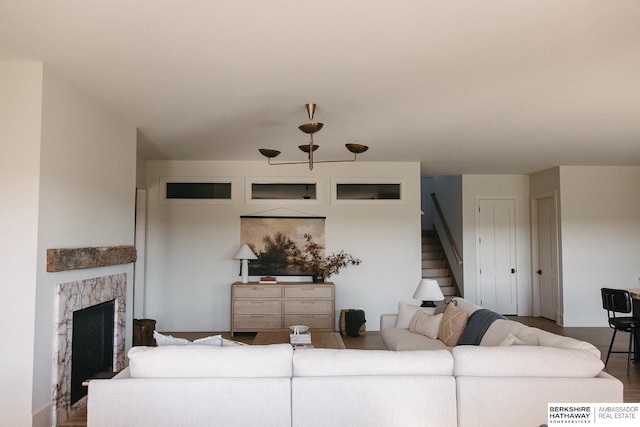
pixel 311 128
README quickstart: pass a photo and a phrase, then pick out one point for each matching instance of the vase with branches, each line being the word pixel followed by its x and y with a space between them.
pixel 311 258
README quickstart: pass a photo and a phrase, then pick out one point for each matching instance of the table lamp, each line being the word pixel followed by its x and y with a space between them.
pixel 428 291
pixel 245 254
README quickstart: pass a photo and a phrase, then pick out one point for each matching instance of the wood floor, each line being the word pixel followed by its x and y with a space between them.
pixel 600 337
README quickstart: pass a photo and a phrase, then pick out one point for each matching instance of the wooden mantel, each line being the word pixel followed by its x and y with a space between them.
pixel 76 258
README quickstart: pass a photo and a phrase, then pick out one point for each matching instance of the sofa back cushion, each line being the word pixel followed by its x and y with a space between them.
pixel 499 330
pixel 195 361
pixel 549 339
pixel 525 361
pixel 465 305
pixel 327 362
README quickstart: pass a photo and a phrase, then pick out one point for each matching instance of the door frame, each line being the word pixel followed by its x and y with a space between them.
pixel 535 288
pixel 139 302
pixel 476 207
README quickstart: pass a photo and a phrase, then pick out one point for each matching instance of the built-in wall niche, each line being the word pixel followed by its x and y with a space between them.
pixel 283 189
pixel 206 190
pixel 366 190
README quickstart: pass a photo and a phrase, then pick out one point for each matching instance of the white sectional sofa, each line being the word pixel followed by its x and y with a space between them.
pixel 196 386
pixel 485 385
pixel 511 384
pixel 275 386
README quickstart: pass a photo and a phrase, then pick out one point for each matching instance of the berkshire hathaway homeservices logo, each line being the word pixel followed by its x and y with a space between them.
pixel 600 414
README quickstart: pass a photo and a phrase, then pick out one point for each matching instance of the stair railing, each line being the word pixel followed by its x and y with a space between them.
pixel 447 232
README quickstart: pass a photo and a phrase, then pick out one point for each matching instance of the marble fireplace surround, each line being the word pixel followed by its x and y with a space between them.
pixel 74 296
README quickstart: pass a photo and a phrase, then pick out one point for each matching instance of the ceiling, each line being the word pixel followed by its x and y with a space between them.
pixel 471 86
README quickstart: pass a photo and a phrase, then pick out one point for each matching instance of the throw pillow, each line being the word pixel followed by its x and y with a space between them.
pixel 231 343
pixel 426 324
pixel 442 305
pixel 452 325
pixel 405 314
pixel 161 339
pixel 526 340
pixel 509 340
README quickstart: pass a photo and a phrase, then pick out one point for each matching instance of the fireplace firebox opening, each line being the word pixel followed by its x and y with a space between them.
pixel 92 345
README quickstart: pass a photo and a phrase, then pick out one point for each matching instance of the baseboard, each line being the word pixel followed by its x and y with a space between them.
pixel 43 417
pixel 585 321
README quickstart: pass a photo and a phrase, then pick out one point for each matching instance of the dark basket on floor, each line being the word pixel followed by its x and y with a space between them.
pixel 143 332
pixel 350 319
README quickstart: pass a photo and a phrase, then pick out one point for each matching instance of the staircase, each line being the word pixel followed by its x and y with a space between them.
pixel 435 266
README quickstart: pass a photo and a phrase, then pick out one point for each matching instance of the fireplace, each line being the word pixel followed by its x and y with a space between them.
pixel 91 345
pixel 73 298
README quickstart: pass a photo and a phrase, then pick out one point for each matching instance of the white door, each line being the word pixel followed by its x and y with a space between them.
pixel 496 249
pixel 547 271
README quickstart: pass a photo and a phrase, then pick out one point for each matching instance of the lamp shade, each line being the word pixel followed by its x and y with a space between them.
pixel 428 290
pixel 245 252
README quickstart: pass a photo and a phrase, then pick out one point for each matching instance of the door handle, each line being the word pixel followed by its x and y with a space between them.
pixel 513 270
pixel 539 272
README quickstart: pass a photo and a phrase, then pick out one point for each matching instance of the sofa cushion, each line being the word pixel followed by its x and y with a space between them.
pixel 525 340
pixel 525 361
pixel 465 305
pixel 171 340
pixel 477 324
pixel 549 339
pixel 322 362
pixel 499 330
pixel 211 361
pixel 401 339
pixel 452 325
pixel 426 324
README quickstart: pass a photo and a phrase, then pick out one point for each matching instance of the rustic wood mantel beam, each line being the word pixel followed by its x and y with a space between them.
pixel 76 258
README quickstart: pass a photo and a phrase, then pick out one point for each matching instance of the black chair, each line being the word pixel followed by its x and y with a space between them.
pixel 619 301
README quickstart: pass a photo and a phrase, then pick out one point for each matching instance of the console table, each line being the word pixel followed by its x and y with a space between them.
pixel 268 307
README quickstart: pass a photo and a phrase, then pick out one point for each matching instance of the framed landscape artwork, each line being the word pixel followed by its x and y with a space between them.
pixel 267 237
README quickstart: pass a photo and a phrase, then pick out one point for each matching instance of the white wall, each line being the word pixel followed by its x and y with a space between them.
pixel 87 196
pixel 68 165
pixel 190 246
pixel 20 106
pixel 600 217
pixel 513 186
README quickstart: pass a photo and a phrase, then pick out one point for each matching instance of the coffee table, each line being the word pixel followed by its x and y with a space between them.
pixel 318 339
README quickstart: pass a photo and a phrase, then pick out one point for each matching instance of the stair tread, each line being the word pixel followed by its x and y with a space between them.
pixel 434 263
pixel 434 272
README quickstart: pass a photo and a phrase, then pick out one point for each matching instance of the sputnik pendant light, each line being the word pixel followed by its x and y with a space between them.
pixel 310 129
